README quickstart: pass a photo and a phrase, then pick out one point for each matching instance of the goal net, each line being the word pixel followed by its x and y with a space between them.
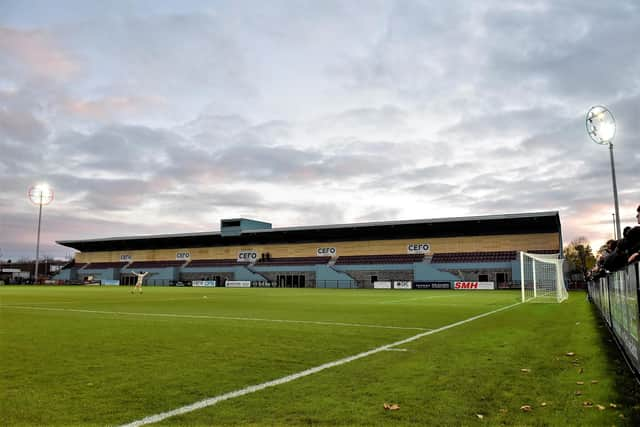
pixel 541 278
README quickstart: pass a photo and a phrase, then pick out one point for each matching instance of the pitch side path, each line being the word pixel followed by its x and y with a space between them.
pixel 189 356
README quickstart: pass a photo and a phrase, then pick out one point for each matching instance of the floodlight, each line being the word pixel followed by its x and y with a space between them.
pixel 601 127
pixel 40 194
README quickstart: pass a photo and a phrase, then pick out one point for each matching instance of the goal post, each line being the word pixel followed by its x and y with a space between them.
pixel 541 278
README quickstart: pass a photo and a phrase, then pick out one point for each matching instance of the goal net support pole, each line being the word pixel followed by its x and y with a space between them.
pixel 522 276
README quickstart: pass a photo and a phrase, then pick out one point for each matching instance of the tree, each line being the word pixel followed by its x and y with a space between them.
pixel 580 256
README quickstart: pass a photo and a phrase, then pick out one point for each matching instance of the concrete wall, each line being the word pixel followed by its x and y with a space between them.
pixel 326 275
pixel 157 276
pixel 469 271
pixel 99 274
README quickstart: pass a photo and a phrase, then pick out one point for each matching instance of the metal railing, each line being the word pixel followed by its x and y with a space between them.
pixel 616 297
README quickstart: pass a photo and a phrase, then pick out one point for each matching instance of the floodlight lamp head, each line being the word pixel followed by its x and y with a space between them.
pixel 601 126
pixel 41 194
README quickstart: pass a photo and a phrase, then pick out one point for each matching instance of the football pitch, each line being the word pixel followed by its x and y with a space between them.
pixel 83 356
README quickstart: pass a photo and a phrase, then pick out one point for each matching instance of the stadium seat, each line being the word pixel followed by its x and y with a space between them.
pixel 310 260
pixel 462 257
pixel 155 264
pixel 102 265
pixel 228 262
pixel 380 259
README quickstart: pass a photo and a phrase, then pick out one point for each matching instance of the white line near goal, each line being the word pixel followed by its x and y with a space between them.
pixel 205 316
pixel 252 389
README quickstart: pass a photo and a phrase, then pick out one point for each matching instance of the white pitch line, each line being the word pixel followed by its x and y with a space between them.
pixel 252 389
pixel 199 316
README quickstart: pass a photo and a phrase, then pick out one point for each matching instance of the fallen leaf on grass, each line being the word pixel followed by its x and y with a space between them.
pixel 594 381
pixel 580 382
pixel 613 405
pixel 581 370
pixel 587 404
pixel 578 392
pixel 480 416
pixel 527 370
pixel 391 407
pixel 526 408
pixel 602 408
pixel 570 354
pixel 543 404
pixel 621 415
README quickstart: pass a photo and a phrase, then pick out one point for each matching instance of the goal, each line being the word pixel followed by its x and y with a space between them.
pixel 541 278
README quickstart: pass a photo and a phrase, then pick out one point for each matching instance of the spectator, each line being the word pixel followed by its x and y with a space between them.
pixel 633 240
pixel 628 249
pixel 599 269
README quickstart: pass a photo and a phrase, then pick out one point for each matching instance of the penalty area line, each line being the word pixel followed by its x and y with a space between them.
pixel 254 388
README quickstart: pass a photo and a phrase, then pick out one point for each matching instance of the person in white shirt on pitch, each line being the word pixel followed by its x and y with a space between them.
pixel 140 276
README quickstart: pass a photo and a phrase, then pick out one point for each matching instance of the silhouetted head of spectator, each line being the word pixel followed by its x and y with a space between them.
pixel 638 214
pixel 626 231
pixel 611 245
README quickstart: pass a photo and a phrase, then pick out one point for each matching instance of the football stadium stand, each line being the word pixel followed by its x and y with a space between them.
pixel 425 251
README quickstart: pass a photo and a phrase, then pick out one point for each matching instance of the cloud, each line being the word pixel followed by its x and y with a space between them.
pixel 36 53
pixel 21 127
pixel 151 123
pixel 111 107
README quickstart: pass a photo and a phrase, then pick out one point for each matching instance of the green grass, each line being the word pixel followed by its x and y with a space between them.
pixel 103 356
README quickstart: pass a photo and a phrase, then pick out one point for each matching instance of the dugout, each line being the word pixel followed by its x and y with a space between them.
pixel 426 252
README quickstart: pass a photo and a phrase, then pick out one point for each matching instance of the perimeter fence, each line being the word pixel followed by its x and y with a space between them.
pixel 616 297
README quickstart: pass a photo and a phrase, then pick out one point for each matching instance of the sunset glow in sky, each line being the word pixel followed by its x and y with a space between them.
pixel 156 117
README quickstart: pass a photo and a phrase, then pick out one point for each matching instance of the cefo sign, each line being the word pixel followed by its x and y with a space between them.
pixel 474 285
pixel 326 251
pixel 182 256
pixel 125 257
pixel 418 248
pixel 248 255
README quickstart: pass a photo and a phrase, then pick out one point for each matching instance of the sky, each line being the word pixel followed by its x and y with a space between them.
pixel 160 117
